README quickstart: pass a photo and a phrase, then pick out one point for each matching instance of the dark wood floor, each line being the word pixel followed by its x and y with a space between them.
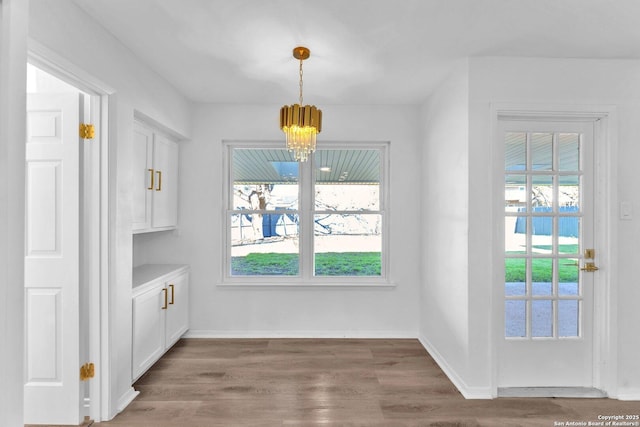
pixel 294 382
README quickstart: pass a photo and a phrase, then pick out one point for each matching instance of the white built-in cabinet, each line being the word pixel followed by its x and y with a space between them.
pixel 155 180
pixel 160 312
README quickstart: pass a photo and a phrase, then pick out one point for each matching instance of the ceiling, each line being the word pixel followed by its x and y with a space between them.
pixel 362 51
pixel 278 166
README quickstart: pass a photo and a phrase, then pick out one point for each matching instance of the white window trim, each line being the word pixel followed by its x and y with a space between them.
pixel 305 212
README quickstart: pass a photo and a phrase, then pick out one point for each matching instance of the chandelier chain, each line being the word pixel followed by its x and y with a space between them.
pixel 301 82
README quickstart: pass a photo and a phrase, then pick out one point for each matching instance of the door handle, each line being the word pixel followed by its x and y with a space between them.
pixel 173 289
pixel 159 181
pixel 150 187
pixel 589 267
pixel 166 297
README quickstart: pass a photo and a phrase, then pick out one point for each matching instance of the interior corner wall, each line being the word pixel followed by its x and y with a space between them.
pixel 444 298
pixel 75 39
pixel 13 61
pixel 562 83
pixel 293 311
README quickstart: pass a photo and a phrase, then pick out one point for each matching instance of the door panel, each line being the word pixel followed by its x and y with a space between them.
pixel 44 201
pixel 44 332
pixel 52 384
pixel 549 218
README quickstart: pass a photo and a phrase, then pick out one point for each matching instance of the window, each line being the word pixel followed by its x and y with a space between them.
pixel 321 221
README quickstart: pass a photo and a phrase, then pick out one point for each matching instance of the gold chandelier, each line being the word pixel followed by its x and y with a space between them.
pixel 301 123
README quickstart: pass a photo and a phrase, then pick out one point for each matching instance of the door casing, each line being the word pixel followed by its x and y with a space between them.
pixel 95 220
pixel 604 118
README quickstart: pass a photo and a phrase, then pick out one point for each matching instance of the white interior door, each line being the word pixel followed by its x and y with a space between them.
pixel 52 392
pixel 547 298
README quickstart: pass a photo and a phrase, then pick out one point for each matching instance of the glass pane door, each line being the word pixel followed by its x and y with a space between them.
pixel 543 214
pixel 547 299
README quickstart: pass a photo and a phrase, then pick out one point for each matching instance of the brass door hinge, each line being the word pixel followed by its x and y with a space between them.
pixel 87 371
pixel 87 131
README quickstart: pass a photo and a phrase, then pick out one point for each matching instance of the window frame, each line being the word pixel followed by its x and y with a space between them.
pixel 306 211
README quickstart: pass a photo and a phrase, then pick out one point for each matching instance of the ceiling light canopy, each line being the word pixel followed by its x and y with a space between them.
pixel 301 123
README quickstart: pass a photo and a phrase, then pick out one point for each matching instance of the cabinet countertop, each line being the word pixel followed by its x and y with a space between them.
pixel 147 273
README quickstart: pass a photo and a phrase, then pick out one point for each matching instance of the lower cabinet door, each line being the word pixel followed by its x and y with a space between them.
pixel 148 329
pixel 177 315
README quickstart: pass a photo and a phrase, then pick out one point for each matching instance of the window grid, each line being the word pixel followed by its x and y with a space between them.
pixel 305 215
pixel 530 299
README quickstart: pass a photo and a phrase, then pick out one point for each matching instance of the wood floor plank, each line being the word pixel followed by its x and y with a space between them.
pixel 326 382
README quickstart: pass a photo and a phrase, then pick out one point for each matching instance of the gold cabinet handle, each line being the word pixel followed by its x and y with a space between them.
pixel 589 267
pixel 166 297
pixel 159 181
pixel 150 187
pixel 173 289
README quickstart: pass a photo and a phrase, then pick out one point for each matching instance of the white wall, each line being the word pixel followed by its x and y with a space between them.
pixel 444 327
pixel 13 41
pixel 552 82
pixel 290 311
pixel 81 43
pixel 456 293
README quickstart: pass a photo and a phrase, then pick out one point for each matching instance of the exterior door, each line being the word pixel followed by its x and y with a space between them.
pixel 547 295
pixel 52 391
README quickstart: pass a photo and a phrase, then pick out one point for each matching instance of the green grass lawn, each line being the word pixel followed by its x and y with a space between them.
pixel 541 270
pixel 348 264
pixel 368 264
pixel 268 264
pixel 327 264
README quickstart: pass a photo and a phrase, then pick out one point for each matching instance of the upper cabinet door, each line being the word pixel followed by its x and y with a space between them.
pixel 155 180
pixel 143 176
pixel 165 192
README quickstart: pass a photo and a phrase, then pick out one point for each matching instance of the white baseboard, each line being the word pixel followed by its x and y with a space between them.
pixel 301 334
pixel 466 391
pixel 556 392
pixel 127 398
pixel 628 394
